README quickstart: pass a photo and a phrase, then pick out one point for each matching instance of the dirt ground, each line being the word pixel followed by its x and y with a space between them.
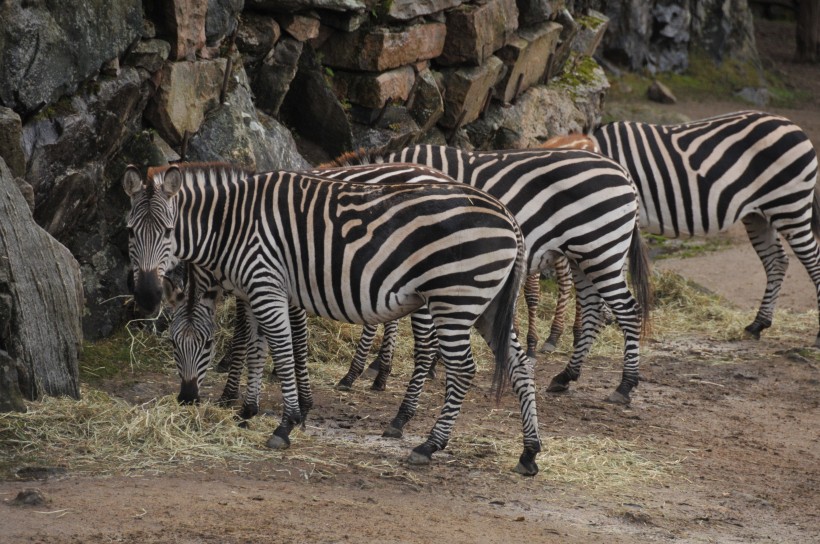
pixel 734 425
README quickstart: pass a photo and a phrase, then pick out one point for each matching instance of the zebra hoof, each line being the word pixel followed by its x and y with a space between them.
pixel 243 424
pixel 276 442
pixel 526 465
pixel 372 371
pixel 557 385
pixel 531 353
pixel 618 398
pixel 416 458
pixel 341 386
pixel 392 432
pixel 548 347
pixel 378 387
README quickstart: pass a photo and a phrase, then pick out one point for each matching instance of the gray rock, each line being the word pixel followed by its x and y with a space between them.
pixel 43 300
pixel 221 19
pixel 396 129
pixel 289 6
pixel 405 10
pixel 314 111
pixel 531 12
pixel 759 96
pixel 467 90
pixel 257 35
pixel 658 92
pixel 426 104
pixel 273 77
pixel 11 137
pixel 41 55
pixel 11 398
pixel 234 133
pixel 149 55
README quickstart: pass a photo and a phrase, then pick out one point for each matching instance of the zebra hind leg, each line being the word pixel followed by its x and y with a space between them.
pixel 236 355
pixel 766 243
pixel 532 294
pixel 423 353
pixel 563 276
pixel 359 358
pixel 385 358
pixel 805 247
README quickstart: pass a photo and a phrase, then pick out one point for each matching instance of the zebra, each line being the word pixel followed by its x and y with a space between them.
pixel 570 203
pixel 351 252
pixel 700 178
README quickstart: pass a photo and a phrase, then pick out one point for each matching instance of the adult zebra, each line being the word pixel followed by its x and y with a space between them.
pixel 700 178
pixel 351 252
pixel 569 203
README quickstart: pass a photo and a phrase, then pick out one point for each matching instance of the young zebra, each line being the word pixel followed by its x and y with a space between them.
pixel 570 203
pixel 361 253
pixel 700 178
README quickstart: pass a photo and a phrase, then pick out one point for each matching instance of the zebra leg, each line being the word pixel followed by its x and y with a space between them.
pixel 271 310
pixel 385 358
pixel 532 294
pixel 805 247
pixel 459 371
pixel 298 325
pixel 359 358
pixel 519 372
pixel 424 352
pixel 237 353
pixel 767 244
pixel 563 275
pixel 585 329
pixel 257 352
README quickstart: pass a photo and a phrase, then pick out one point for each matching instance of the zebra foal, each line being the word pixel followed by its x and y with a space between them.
pixel 361 253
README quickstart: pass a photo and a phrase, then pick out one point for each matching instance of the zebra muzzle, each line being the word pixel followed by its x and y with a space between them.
pixel 148 290
pixel 188 392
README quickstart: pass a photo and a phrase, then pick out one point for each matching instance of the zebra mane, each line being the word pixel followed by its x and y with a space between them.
pixel 191 298
pixel 360 157
pixel 192 168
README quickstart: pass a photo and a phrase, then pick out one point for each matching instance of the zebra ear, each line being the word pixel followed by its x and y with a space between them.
pixel 172 181
pixel 172 294
pixel 131 181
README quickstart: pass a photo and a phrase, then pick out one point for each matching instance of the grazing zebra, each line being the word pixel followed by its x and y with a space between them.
pixel 361 253
pixel 700 178
pixel 570 203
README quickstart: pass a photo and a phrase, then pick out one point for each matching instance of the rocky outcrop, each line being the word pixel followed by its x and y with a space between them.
pixel 48 49
pixel 324 75
pixel 41 301
pixel 659 36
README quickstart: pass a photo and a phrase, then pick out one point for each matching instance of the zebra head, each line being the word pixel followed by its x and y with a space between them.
pixel 150 226
pixel 192 333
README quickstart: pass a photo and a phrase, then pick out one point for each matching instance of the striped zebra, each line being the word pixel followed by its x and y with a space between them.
pixel 700 178
pixel 569 203
pixel 361 253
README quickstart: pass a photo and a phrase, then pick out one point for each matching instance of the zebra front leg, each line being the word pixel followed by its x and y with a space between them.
pixel 767 245
pixel 359 358
pixel 563 276
pixel 256 354
pixel 423 353
pixel 385 358
pixel 272 313
pixel 237 354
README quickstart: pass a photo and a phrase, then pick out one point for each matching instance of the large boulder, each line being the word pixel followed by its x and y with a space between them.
pixel 48 48
pixel 234 132
pixel 41 300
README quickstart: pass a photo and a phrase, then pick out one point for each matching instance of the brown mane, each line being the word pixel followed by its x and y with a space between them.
pixel 360 157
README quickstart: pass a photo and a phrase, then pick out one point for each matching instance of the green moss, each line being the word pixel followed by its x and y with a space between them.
pixel 706 78
pixel 590 22
pixel 127 350
pixel 579 71
pixel 63 107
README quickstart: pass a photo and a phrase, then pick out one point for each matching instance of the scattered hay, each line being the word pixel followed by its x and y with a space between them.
pixel 101 434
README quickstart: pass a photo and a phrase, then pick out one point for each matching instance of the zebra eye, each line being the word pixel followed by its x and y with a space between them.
pixel 130 231
pixel 168 231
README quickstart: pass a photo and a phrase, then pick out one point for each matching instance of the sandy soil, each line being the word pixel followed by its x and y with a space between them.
pixel 733 424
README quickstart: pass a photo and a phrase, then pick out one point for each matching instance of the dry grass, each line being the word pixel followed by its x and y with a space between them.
pixel 102 434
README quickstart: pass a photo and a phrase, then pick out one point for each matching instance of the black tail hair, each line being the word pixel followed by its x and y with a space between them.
pixel 639 271
pixel 503 323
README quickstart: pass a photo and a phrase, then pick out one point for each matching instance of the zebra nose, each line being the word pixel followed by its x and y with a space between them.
pixel 188 392
pixel 148 290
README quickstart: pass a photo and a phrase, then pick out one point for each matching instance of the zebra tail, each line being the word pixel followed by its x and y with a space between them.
pixel 815 214
pixel 640 273
pixel 505 304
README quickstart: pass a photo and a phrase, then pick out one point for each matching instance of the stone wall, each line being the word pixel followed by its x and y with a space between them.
pixel 268 85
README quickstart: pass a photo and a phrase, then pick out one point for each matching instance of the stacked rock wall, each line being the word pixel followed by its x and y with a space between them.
pixel 265 84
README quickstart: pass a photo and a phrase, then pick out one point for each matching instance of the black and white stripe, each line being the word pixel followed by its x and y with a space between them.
pixel 359 253
pixel 569 203
pixel 700 178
